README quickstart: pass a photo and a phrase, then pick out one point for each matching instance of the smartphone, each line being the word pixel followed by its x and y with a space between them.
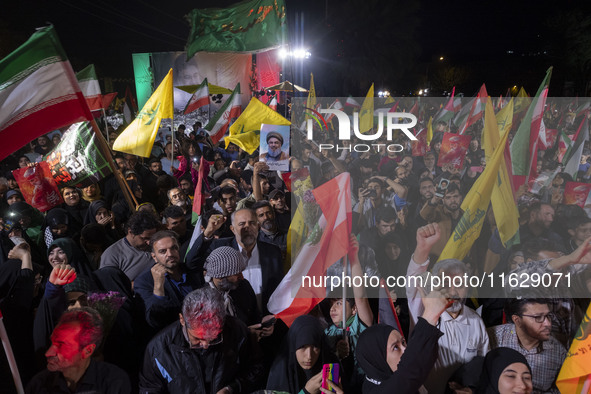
pixel 441 187
pixel 330 372
pixel 268 323
pixel 371 193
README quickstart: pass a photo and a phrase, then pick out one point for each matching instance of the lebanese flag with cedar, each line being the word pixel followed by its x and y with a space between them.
pixel 291 299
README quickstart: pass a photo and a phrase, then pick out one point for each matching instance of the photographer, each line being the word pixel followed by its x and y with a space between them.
pixel 375 195
pixel 444 209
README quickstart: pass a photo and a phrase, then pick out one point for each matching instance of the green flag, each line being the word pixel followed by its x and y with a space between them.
pixel 249 26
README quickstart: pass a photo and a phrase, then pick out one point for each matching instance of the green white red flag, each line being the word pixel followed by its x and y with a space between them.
pixel 230 110
pixel 199 99
pixel 524 146
pixel 89 85
pixel 38 91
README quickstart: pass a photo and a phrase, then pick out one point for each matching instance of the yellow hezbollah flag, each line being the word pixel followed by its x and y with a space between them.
pixel 366 113
pixel 245 131
pixel 475 206
pixel 249 141
pixel 295 235
pixel 503 202
pixel 522 101
pixel 505 118
pixel 430 130
pixel 311 101
pixel 575 374
pixel 389 100
pixel 138 138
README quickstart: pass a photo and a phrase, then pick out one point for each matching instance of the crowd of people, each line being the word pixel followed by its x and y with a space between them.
pixel 189 314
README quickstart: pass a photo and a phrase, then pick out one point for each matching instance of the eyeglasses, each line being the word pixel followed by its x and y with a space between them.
pixel 541 318
pixel 201 343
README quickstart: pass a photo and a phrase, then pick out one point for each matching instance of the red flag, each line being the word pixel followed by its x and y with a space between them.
pixel 453 150
pixel 198 197
pixel 576 193
pixel 108 99
pixel 334 227
pixel 477 110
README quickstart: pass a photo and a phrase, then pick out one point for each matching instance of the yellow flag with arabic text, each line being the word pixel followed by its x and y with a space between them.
pixel 138 138
pixel 311 101
pixel 575 374
pixel 474 206
pixel 245 132
pixel 503 201
pixel 366 112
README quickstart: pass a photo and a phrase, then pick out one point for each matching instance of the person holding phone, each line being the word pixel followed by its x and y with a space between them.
pixel 298 367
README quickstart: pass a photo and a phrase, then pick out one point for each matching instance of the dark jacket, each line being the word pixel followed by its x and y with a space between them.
pixel 269 255
pixel 161 311
pixel 170 366
pixel 100 377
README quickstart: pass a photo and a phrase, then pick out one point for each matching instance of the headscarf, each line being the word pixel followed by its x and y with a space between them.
pixel 90 217
pixel 76 258
pixel 495 363
pixel 286 373
pixel 371 353
pixel 53 219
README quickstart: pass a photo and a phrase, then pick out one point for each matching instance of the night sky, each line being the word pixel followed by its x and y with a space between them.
pixel 396 44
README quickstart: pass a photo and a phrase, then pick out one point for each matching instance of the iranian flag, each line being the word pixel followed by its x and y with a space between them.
pixel 199 99
pixel 38 92
pixel 524 147
pixel 327 243
pixel 219 124
pixel 352 103
pixel 90 87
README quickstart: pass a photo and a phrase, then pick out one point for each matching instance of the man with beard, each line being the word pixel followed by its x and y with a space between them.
pixel 70 366
pixel 269 231
pixel 426 193
pixel 280 209
pixel 446 212
pixel 529 333
pixel 131 253
pixel 540 220
pixel 164 286
pixel 264 263
pixel 274 142
pixel 177 197
pixel 464 334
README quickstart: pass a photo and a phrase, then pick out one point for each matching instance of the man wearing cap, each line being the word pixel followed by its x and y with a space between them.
pixel 164 286
pixel 282 214
pixel 274 142
pixel 264 262
pixel 13 196
pixel 224 268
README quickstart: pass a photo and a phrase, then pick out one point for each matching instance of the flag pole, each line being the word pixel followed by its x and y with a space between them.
pixel 345 261
pixel 106 125
pixel 10 357
pixel 106 151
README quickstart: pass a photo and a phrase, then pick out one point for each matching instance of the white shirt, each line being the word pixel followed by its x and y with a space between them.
pixel 463 337
pixel 253 272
